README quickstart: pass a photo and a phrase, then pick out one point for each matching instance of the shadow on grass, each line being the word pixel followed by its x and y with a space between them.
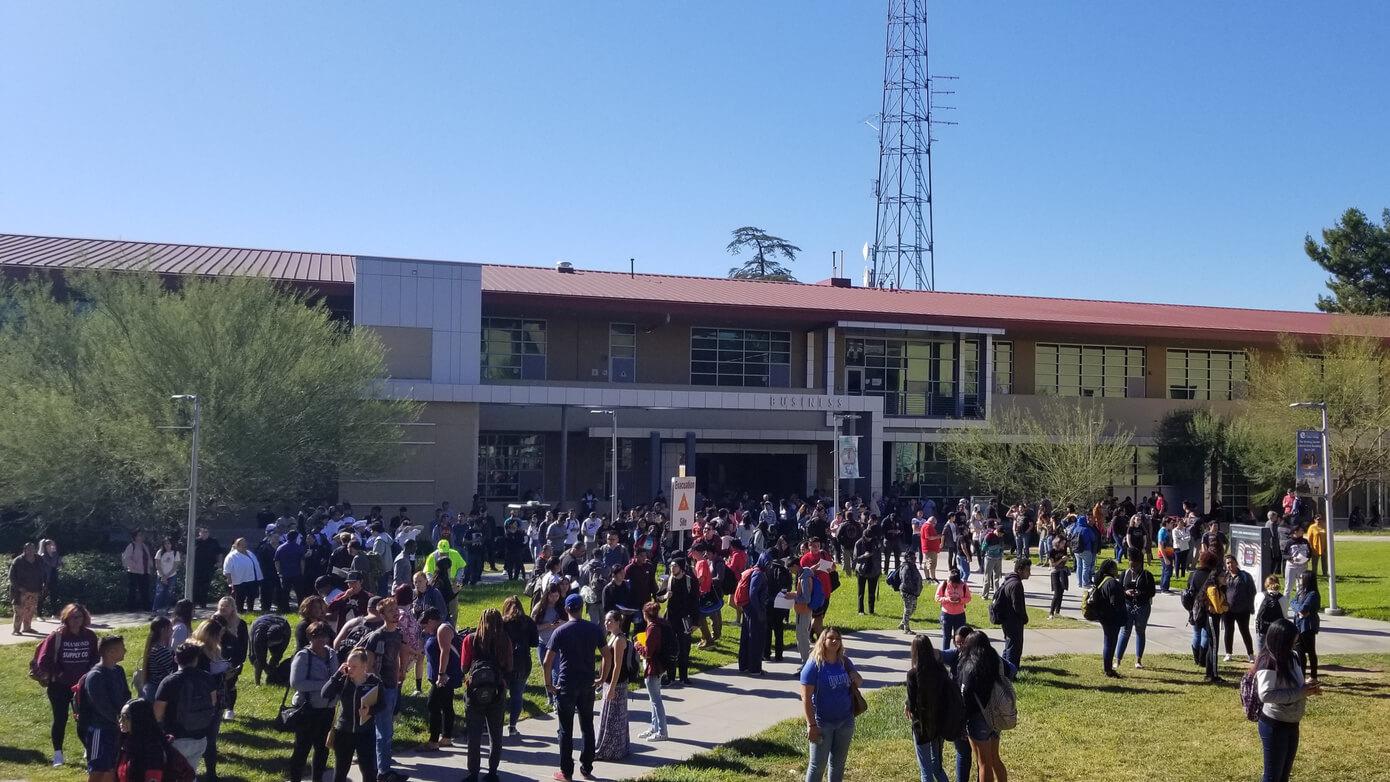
pixel 728 757
pixel 18 755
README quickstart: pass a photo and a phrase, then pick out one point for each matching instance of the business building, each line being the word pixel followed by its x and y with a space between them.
pixel 746 383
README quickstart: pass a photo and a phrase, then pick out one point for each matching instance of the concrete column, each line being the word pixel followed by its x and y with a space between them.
pixel 564 454
pixel 690 455
pixel 654 463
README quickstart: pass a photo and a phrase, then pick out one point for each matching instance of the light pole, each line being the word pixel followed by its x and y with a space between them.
pixel 1321 407
pixel 614 496
pixel 835 461
pixel 192 491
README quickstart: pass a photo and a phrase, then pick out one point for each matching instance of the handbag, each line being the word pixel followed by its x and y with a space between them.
pixel 858 704
pixel 289 716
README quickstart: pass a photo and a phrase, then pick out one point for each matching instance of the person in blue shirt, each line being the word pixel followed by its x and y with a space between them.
pixel 289 559
pixel 1305 606
pixel 826 679
pixel 569 677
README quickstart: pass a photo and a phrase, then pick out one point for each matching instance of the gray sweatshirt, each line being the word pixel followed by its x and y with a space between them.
pixel 308 674
pixel 1283 700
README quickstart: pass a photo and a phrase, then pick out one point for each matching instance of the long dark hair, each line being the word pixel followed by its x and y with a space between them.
pixel 145 744
pixel 158 626
pixel 1277 653
pixel 925 664
pixel 979 666
pixel 492 640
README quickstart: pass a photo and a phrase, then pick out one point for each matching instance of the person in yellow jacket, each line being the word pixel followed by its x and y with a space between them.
pixel 1317 543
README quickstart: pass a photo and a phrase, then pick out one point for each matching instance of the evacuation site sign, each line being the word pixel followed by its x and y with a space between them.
pixel 682 504
pixel 1308 472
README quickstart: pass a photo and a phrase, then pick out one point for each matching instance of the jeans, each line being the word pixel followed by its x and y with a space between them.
pixel 929 761
pixel 963 758
pixel 386 727
pixel 1085 568
pixel 1013 642
pixel 831 751
pixel 568 705
pixel 1044 547
pixel 164 594
pixel 478 719
pixel 1136 620
pixel 658 708
pixel 949 624
pixel 1166 575
pixel 1109 635
pixel 803 635
pixel 1280 741
pixel 516 688
pixel 963 564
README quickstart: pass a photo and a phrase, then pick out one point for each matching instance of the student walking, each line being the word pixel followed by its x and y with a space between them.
pixel 358 693
pixel 953 595
pixel 486 655
pixel 521 629
pixel 751 596
pixel 1137 585
pixel 826 681
pixel 1306 604
pixel 934 706
pixel 910 587
pixel 1058 557
pixel 1240 604
pixel 1204 589
pixel 310 670
pixel 1283 694
pixel 654 651
pixel 59 662
pixel 1273 607
pixel 104 692
pixel 570 658
pixel 1012 611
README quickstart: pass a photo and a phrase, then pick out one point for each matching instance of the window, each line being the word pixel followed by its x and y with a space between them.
pixel 921 470
pixel 510 465
pixel 1206 374
pixel 625 463
pixel 1003 367
pixel 740 357
pixel 1140 476
pixel 1089 370
pixel 915 377
pixel 513 349
pixel 1234 492
pixel 622 352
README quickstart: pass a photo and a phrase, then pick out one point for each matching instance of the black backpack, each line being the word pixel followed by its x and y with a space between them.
pixel 484 685
pixel 1270 612
pixel 354 638
pixel 631 663
pixel 194 708
pixel 670 645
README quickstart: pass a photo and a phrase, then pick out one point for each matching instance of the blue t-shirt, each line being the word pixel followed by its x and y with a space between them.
pixel 575 643
pixel 831 699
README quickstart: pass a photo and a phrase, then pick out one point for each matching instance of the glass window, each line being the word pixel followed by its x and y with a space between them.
pixel 622 352
pixel 749 358
pixel 915 377
pixel 921 470
pixel 1003 367
pixel 1086 370
pixel 510 466
pixel 1205 374
pixel 513 349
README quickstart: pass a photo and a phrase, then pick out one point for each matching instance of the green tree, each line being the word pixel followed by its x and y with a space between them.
pixel 766 250
pixel 1067 451
pixel 1348 372
pixel 1191 444
pixel 85 381
pixel 1356 252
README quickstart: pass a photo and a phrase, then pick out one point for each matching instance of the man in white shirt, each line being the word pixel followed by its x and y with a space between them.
pixel 572 529
pixel 591 528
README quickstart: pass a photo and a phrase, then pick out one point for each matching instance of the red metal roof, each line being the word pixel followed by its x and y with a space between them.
pixel 51 252
pixel 751 299
pixel 827 303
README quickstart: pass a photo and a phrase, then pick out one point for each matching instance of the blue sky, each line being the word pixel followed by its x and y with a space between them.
pixel 1164 151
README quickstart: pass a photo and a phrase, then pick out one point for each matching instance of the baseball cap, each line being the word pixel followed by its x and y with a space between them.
pixel 354 575
pixel 574 603
pixel 270 528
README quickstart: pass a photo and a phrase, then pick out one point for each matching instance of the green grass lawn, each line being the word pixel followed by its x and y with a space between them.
pixel 1363 578
pixel 1153 724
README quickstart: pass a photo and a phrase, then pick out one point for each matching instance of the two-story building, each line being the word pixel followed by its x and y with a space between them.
pixel 746 383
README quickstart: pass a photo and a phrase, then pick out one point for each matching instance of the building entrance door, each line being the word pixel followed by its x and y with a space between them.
pixel 724 477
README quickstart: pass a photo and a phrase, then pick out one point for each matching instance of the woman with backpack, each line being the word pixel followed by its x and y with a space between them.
pixel 521 629
pixel 1283 694
pixel 910 587
pixel 310 669
pixel 979 671
pixel 59 661
pixel 953 595
pixel 1205 600
pixel 486 655
pixel 1273 607
pixel 1305 606
pixel 619 664
pixel 935 707
pixel 655 653
pixel 1106 604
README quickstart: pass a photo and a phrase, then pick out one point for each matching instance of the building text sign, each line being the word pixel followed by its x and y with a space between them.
pixel 806 402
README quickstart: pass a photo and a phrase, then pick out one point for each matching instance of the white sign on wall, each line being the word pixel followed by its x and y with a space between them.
pixel 682 504
pixel 848 456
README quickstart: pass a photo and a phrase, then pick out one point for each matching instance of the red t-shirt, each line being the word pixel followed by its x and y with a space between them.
pixel 931 539
pixel 812 560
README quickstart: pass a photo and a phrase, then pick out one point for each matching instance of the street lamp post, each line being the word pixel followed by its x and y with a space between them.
pixel 192 492
pixel 613 498
pixel 1332 608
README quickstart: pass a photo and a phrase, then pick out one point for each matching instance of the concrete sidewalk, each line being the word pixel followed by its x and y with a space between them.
pixel 720 706
pixel 102 624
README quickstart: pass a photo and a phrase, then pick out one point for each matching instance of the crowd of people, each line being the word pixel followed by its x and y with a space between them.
pixel 612 602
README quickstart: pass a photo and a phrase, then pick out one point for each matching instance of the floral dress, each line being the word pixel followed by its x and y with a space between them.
pixel 612 732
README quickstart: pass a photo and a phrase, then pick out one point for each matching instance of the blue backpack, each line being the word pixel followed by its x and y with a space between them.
pixel 817 592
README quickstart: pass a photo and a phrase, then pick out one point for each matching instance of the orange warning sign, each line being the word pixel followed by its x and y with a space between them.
pixel 684 503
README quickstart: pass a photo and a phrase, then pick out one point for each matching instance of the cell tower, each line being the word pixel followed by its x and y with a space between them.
pixel 902 249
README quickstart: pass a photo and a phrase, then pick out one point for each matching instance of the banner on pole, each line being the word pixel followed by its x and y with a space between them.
pixel 1308 470
pixel 847 456
pixel 682 504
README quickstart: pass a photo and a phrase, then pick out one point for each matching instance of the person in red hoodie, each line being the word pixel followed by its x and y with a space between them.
pixel 737 562
pixel 821 564
pixel 931 547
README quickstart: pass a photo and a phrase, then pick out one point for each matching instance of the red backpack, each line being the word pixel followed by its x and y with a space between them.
pixel 741 596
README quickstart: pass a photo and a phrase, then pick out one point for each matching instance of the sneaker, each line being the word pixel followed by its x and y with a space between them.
pixel 228 715
pixel 512 731
pixel 658 737
pixel 57 758
pixel 1250 658
pixel 644 735
pixel 1139 664
pixel 1226 658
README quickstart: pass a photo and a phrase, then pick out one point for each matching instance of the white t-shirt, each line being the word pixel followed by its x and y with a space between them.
pixel 571 531
pixel 591 527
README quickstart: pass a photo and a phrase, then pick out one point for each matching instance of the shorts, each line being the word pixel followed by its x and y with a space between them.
pixel 27 602
pixel 978 730
pixel 101 744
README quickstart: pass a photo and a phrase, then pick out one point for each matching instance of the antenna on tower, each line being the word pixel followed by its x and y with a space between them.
pixel 903 248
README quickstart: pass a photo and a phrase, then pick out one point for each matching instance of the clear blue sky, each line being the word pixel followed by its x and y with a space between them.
pixel 1159 151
